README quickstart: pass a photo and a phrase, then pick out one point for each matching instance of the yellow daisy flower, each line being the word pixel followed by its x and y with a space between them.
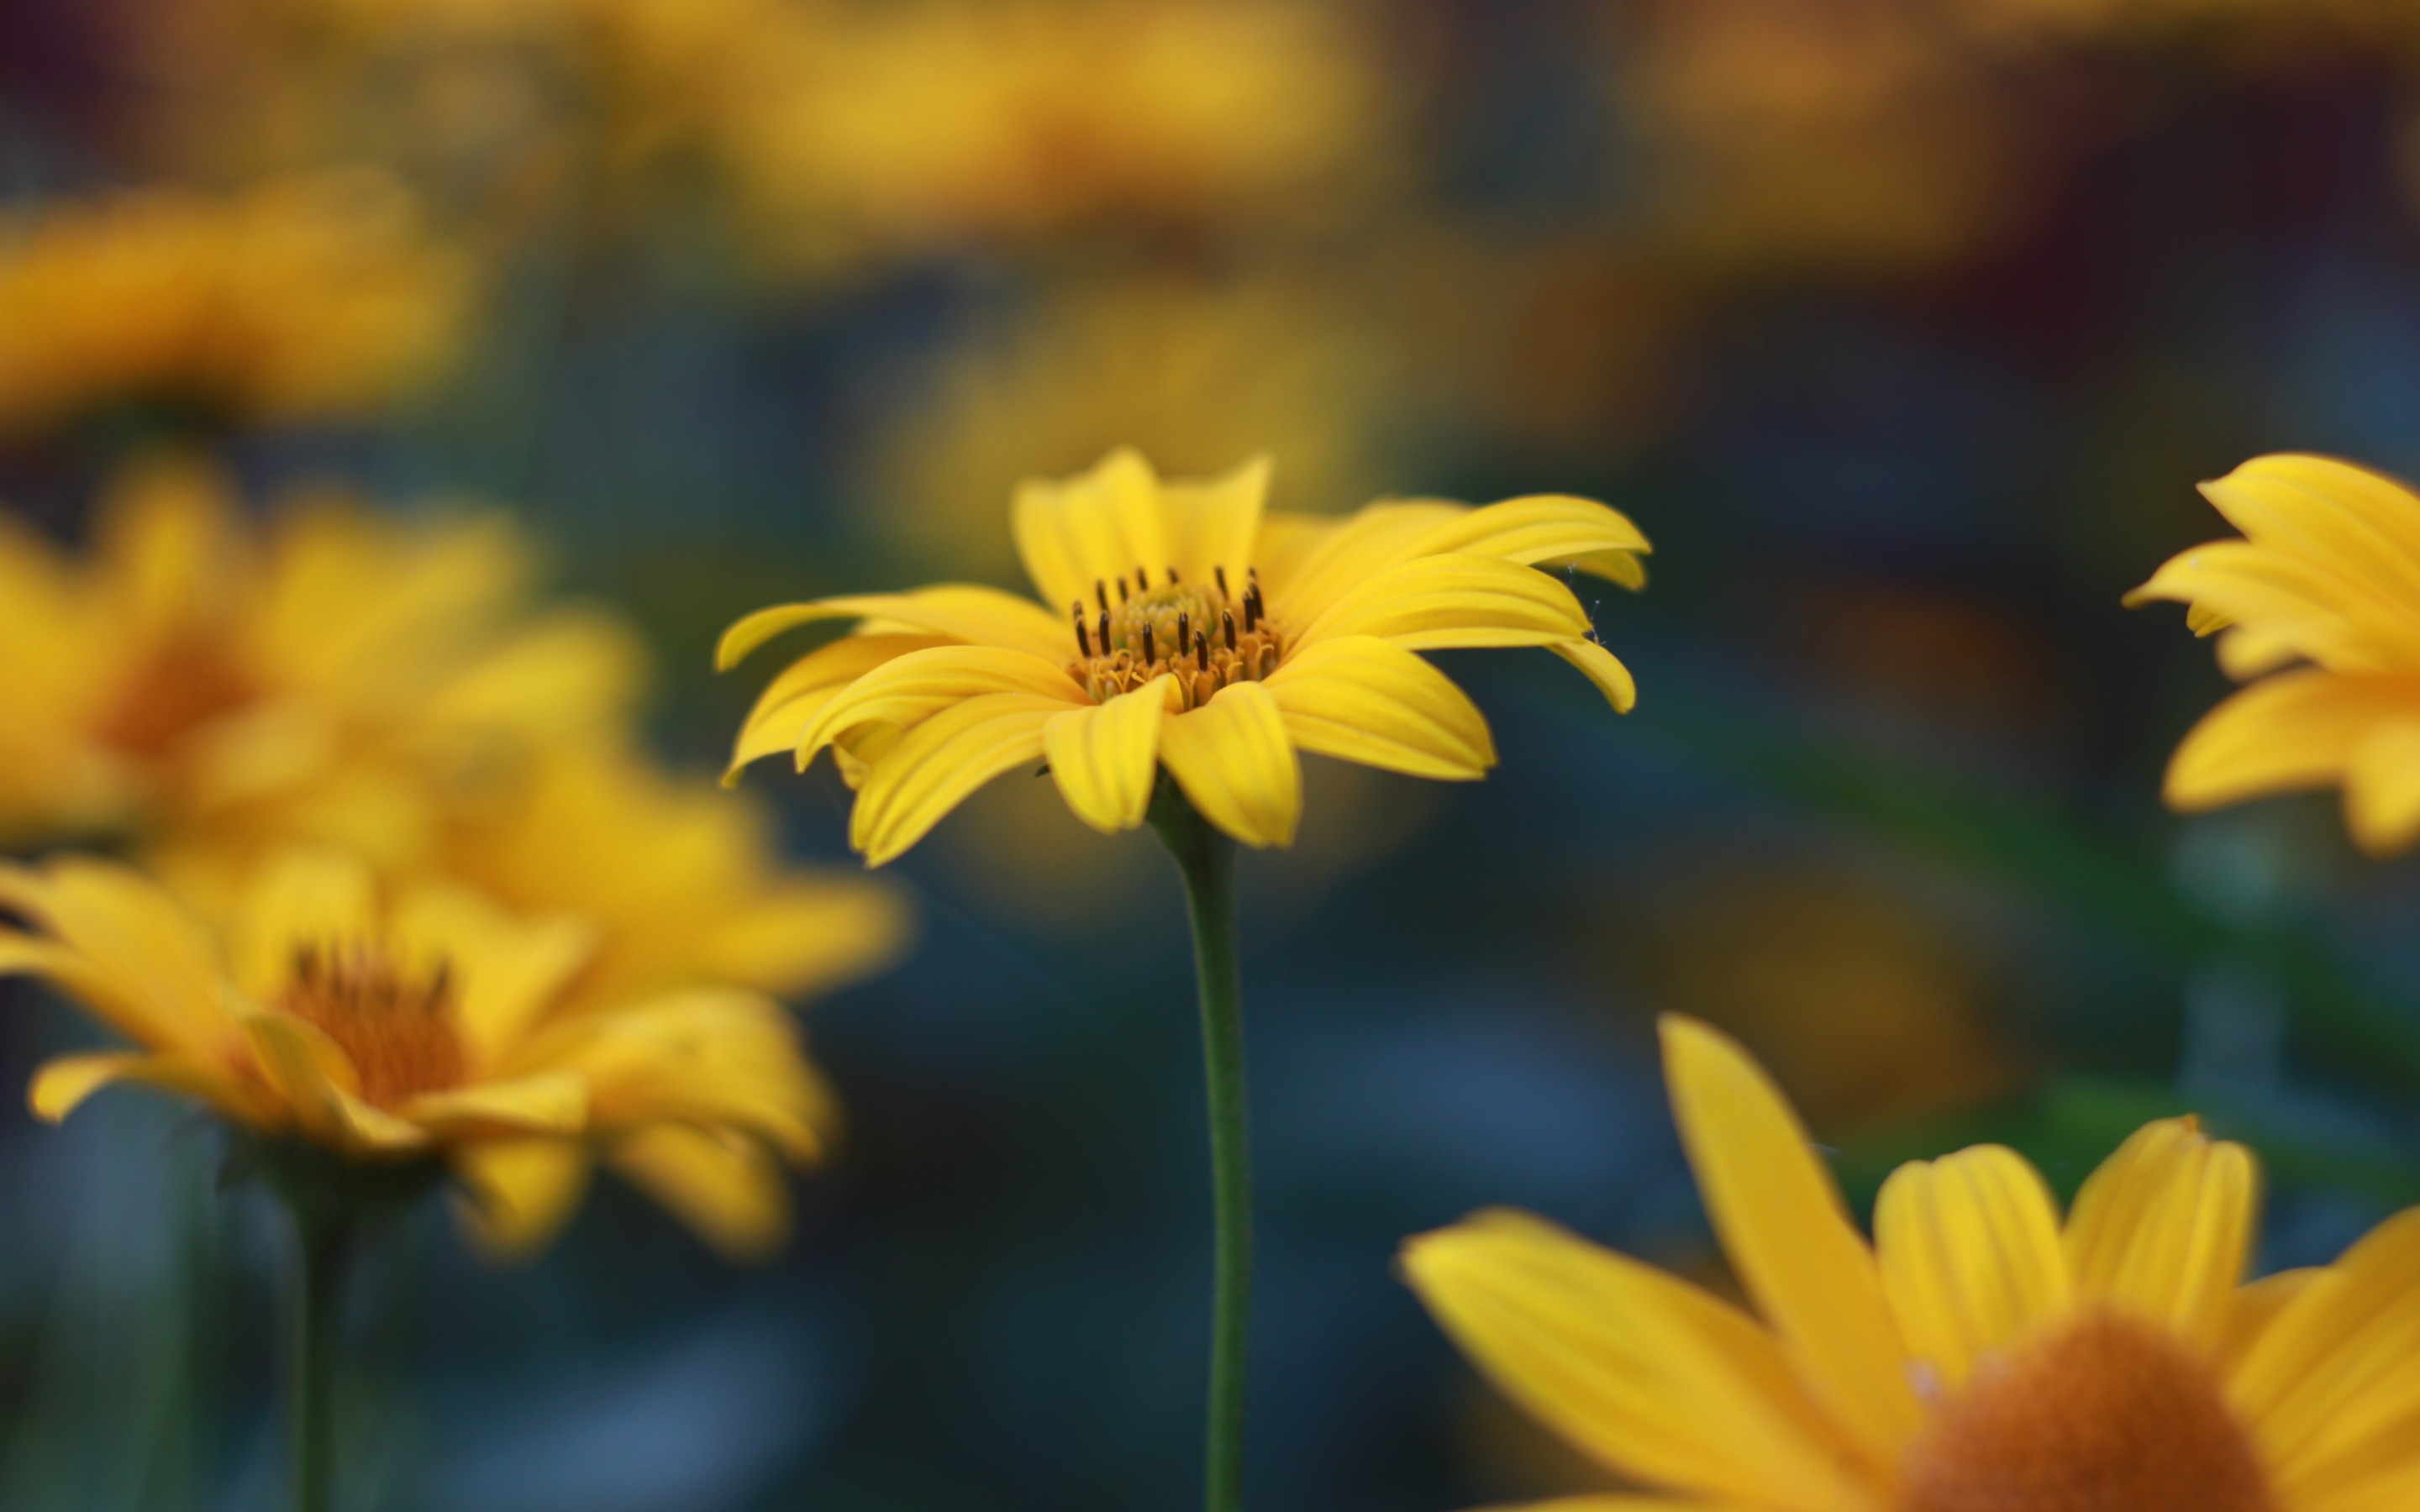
pixel 2319 602
pixel 312 298
pixel 1184 629
pixel 207 683
pixel 423 1023
pixel 1977 1356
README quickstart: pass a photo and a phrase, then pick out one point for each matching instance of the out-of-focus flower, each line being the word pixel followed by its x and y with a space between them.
pixel 680 882
pixel 2318 604
pixel 313 298
pixel 1228 641
pixel 1975 1355
pixel 214 685
pixel 424 1023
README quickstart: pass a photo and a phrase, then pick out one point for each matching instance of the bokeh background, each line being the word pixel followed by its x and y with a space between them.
pixel 1903 326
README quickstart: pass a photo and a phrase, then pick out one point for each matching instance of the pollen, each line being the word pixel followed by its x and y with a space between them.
pixel 2106 1415
pixel 398 1029
pixel 1199 633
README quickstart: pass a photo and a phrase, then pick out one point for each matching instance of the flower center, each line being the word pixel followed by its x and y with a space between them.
pixel 182 682
pixel 1200 633
pixel 2106 1415
pixel 398 1031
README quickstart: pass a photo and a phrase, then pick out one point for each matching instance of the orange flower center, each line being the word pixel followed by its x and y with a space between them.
pixel 1199 633
pixel 398 1031
pixel 180 684
pixel 2106 1415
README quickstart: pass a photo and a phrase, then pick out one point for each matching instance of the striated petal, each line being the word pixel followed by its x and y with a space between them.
pixel 779 720
pixel 318 1087
pixel 62 1083
pixel 1104 757
pixel 961 612
pixel 2162 1230
pixel 520 1191
pixel 938 763
pixel 1604 668
pixel 1433 603
pixel 1307 563
pixel 552 1103
pixel 1212 524
pixel 2254 1307
pixel 2297 730
pixel 1781 1220
pixel 1235 763
pixel 2350 518
pixel 731 1192
pixel 1364 700
pixel 909 690
pixel 1091 528
pixel 1641 1370
pixel 1970 1256
pixel 1541 527
pixel 155 971
pixel 2336 620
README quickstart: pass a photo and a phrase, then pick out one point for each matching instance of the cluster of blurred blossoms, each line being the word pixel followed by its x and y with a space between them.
pixel 378 863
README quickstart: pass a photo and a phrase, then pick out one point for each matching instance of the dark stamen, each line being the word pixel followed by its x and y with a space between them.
pixel 1122 589
pixel 1201 652
pixel 1101 595
pixel 1172 577
pixel 1220 572
pixel 1227 623
pixel 1149 656
pixel 1142 580
pixel 1251 607
pixel 1184 631
pixel 1104 632
pixel 1083 641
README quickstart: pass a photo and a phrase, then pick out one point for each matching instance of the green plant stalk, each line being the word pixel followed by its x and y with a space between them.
pixel 1207 860
pixel 325 1252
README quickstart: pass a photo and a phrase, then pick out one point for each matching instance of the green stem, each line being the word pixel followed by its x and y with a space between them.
pixel 325 1252
pixel 1207 859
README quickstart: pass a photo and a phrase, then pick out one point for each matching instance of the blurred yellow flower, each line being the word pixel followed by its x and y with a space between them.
pixel 213 685
pixel 1977 1355
pixel 307 299
pixel 422 1024
pixel 681 882
pixel 1228 643
pixel 2325 585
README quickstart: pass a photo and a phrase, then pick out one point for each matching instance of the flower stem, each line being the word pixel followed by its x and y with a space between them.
pixel 325 1252
pixel 1207 859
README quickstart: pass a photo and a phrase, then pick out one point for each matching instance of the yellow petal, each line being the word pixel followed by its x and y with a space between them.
pixel 1092 528
pixel 156 971
pixel 940 763
pixel 1307 563
pixel 1432 603
pixel 1235 764
pixel 63 1083
pixel 1970 1255
pixel 1362 699
pixel 318 1085
pixel 2382 785
pixel 522 1190
pixel 2352 518
pixel 552 1103
pixel 509 971
pixel 1782 1222
pixel 2297 730
pixel 1641 1370
pixel 1212 524
pixel 305 898
pixel 2332 1389
pixel 2254 1307
pixel 808 936
pixel 1541 527
pixel 1604 668
pixel 778 722
pixel 910 688
pixel 2335 618
pixel 1104 757
pixel 962 611
pixel 2162 1228
pixel 733 1193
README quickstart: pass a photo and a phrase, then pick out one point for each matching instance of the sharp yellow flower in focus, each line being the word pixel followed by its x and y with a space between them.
pixel 1979 1355
pixel 215 686
pixel 315 298
pixel 422 1024
pixel 2317 606
pixel 1184 629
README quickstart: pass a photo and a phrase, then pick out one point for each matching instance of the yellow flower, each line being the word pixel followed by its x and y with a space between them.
pixel 1186 631
pixel 216 686
pixel 313 297
pixel 2319 602
pixel 682 883
pixel 1977 1356
pixel 422 1024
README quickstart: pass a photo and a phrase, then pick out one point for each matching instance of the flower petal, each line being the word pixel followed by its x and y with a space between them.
pixel 305 898
pixel 318 1085
pixel 510 971
pixel 1212 524
pixel 63 1083
pixel 962 611
pixel 520 1191
pixel 153 970
pixel 938 763
pixel 2297 730
pixel 1435 602
pixel 551 1103
pixel 779 720
pixel 1104 757
pixel 1970 1255
pixel 1540 528
pixel 1307 563
pixel 2162 1228
pixel 1641 1370
pixel 1604 668
pixel 2382 785
pixel 910 688
pixel 2354 520
pixel 1364 700
pixel 1781 1220
pixel 1235 763
pixel 731 1192
pixel 1092 528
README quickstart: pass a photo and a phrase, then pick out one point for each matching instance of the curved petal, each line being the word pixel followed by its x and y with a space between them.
pixel 1604 668
pixel 731 1192
pixel 1432 603
pixel 962 611
pixel 779 719
pixel 938 763
pixel 551 1103
pixel 157 966
pixel 2338 620
pixel 63 1083
pixel 2382 796
pixel 1970 1256
pixel 1234 761
pixel 1212 524
pixel 300 899
pixel 1641 1370
pixel 909 690
pixel 2296 730
pixel 1781 1220
pixel 520 1191
pixel 810 934
pixel 1308 561
pixel 2353 519
pixel 2254 1307
pixel 508 971
pixel 318 1085
pixel 1089 529
pixel 1104 757
pixel 2162 1228
pixel 1540 528
pixel 1364 700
